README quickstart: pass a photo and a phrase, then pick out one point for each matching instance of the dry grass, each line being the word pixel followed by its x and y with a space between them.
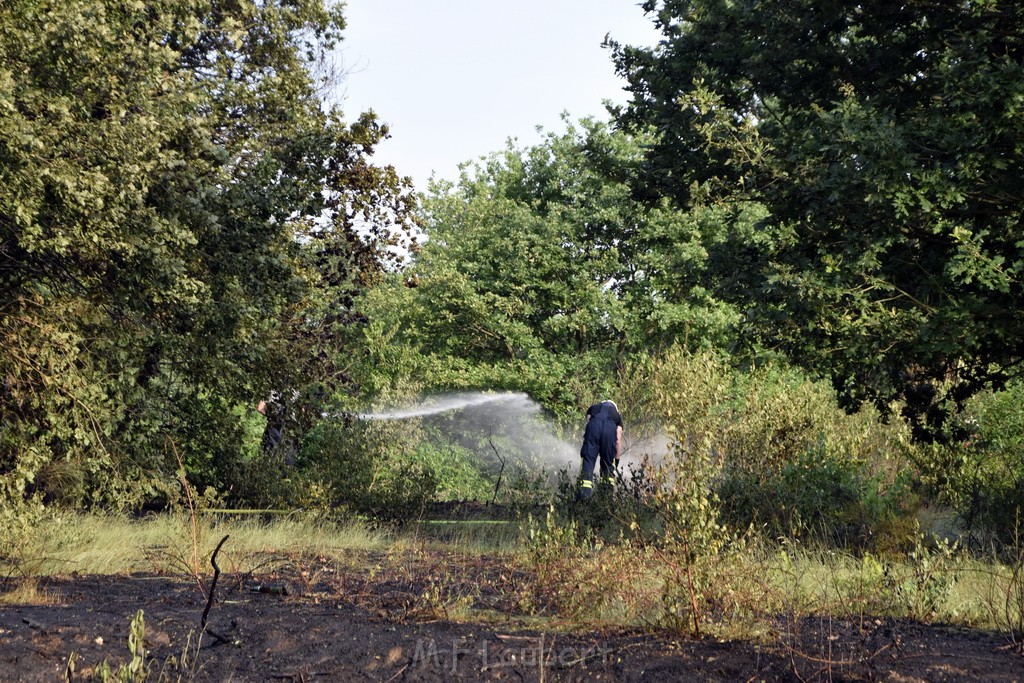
pixel 745 591
pixel 27 592
pixel 107 544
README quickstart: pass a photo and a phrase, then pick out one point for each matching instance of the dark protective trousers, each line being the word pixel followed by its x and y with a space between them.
pixel 598 442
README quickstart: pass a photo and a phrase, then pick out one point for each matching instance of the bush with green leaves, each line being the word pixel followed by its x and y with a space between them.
pixel 368 467
pixel 835 500
pixel 20 522
pixel 979 473
pixel 782 455
pixel 456 468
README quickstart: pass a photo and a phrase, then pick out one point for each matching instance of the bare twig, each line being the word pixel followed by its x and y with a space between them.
pixel 541 658
pixel 213 584
pixel 400 672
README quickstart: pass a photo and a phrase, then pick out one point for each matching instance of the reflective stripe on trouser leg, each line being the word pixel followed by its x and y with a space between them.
pixel 585 490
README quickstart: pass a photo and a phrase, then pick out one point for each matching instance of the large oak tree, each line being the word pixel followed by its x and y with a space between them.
pixel 886 141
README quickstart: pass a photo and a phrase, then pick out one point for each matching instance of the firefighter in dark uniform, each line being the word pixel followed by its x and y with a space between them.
pixel 277 440
pixel 602 439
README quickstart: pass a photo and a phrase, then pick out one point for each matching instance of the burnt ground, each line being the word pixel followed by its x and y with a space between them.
pixel 374 620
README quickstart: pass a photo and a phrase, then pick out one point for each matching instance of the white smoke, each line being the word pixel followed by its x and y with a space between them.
pixel 513 427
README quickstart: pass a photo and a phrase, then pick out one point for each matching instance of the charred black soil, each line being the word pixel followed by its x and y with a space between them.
pixel 372 620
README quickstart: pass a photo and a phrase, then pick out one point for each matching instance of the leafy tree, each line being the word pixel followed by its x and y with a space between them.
pixel 884 140
pixel 542 272
pixel 182 227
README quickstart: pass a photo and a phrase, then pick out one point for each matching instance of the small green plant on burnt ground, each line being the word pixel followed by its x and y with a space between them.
pixel 139 668
pixel 136 670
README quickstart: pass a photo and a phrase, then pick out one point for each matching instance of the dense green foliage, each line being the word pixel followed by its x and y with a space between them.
pixel 178 235
pixel 541 269
pixel 186 228
pixel 885 141
pixel 982 477
pixel 777 451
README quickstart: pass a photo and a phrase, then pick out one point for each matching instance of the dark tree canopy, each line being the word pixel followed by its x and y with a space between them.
pixel 886 141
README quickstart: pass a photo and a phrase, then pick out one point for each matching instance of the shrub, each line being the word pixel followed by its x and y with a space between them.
pixel 264 481
pixel 576 575
pixel 780 454
pixel 832 499
pixel 454 467
pixel 368 467
pixel 981 473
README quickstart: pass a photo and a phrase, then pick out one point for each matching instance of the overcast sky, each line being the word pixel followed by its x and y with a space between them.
pixel 456 78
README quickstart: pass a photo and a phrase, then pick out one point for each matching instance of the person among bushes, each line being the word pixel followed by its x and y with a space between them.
pixel 602 438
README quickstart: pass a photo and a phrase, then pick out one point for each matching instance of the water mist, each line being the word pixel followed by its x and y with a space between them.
pixel 516 426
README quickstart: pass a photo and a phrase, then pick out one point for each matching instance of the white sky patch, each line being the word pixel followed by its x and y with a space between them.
pixel 456 78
